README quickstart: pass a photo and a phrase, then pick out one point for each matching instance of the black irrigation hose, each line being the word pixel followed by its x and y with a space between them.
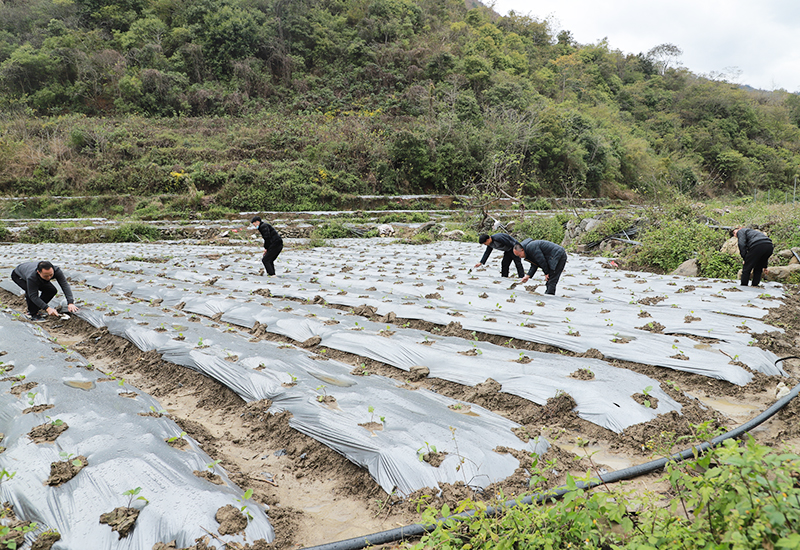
pixel 418 529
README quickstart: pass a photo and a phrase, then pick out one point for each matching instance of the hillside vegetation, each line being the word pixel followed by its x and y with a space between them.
pixel 280 105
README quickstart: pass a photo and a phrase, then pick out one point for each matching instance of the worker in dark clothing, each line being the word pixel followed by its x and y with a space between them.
pixel 504 243
pixel 755 248
pixel 34 278
pixel 546 255
pixel 273 244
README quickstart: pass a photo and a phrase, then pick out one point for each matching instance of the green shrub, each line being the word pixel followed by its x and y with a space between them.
pixel 43 232
pixel 405 217
pixel 134 232
pixel 548 228
pixel 5 234
pixel 331 230
pixel 608 226
pixel 540 203
pixel 669 243
pixel 742 496
pixel 316 241
pixel 216 212
pixel 719 265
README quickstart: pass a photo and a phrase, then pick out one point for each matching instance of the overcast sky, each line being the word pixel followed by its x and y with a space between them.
pixel 760 38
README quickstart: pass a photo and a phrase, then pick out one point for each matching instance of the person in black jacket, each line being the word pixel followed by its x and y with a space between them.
pixel 755 248
pixel 273 244
pixel 34 278
pixel 504 243
pixel 546 255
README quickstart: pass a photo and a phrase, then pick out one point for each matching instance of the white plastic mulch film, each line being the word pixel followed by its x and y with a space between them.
pixel 111 424
pixel 694 325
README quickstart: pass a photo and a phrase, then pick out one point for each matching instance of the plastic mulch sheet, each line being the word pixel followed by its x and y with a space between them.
pixel 117 428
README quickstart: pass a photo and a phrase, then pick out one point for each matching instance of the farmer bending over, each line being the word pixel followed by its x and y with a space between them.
pixel 755 248
pixel 273 244
pixel 549 256
pixel 504 243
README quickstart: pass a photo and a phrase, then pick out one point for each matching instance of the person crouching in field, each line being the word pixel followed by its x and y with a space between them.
pixel 546 255
pixel 755 248
pixel 34 278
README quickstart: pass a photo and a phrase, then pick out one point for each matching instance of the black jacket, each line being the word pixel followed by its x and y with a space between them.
pixel 500 241
pixel 542 254
pixel 271 237
pixel 748 238
pixel 33 282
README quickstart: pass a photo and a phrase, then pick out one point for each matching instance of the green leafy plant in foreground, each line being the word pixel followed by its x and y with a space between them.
pixel 737 496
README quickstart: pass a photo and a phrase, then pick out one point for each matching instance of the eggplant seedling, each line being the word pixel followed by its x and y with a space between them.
pixel 130 493
pixel 246 496
pixel 67 456
pixel 176 437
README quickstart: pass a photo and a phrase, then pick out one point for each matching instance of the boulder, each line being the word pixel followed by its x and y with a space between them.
pixel 779 272
pixel 454 235
pixel 689 268
pixel 427 226
pixel 791 254
pixel 731 247
pixel 385 230
pixel 589 224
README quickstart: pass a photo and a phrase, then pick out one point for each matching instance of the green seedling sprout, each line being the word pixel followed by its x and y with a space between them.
pixel 646 393
pixel 213 464
pixel 246 496
pixel 5 475
pixel 159 411
pixel 176 437
pixel 31 398
pixel 428 449
pixel 56 422
pixel 66 456
pixel 130 493
pixel 321 388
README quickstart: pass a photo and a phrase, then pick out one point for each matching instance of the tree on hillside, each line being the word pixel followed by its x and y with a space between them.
pixel 664 55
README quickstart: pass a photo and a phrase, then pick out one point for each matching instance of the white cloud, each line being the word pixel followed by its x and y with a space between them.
pixel 760 38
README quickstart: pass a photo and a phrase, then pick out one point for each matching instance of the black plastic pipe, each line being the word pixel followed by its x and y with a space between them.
pixel 418 529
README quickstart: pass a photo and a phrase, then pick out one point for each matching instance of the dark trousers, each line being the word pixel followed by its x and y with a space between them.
pixel 47 288
pixel 756 261
pixel 269 258
pixel 552 281
pixel 508 257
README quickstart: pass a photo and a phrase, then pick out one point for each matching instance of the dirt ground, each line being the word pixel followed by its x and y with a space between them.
pixel 317 496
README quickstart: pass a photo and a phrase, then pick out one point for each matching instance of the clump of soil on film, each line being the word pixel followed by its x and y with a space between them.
pixel 47 433
pixel 645 400
pixel 210 476
pixel 64 470
pixel 121 519
pixel 231 520
pixel 653 326
pixel 582 374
